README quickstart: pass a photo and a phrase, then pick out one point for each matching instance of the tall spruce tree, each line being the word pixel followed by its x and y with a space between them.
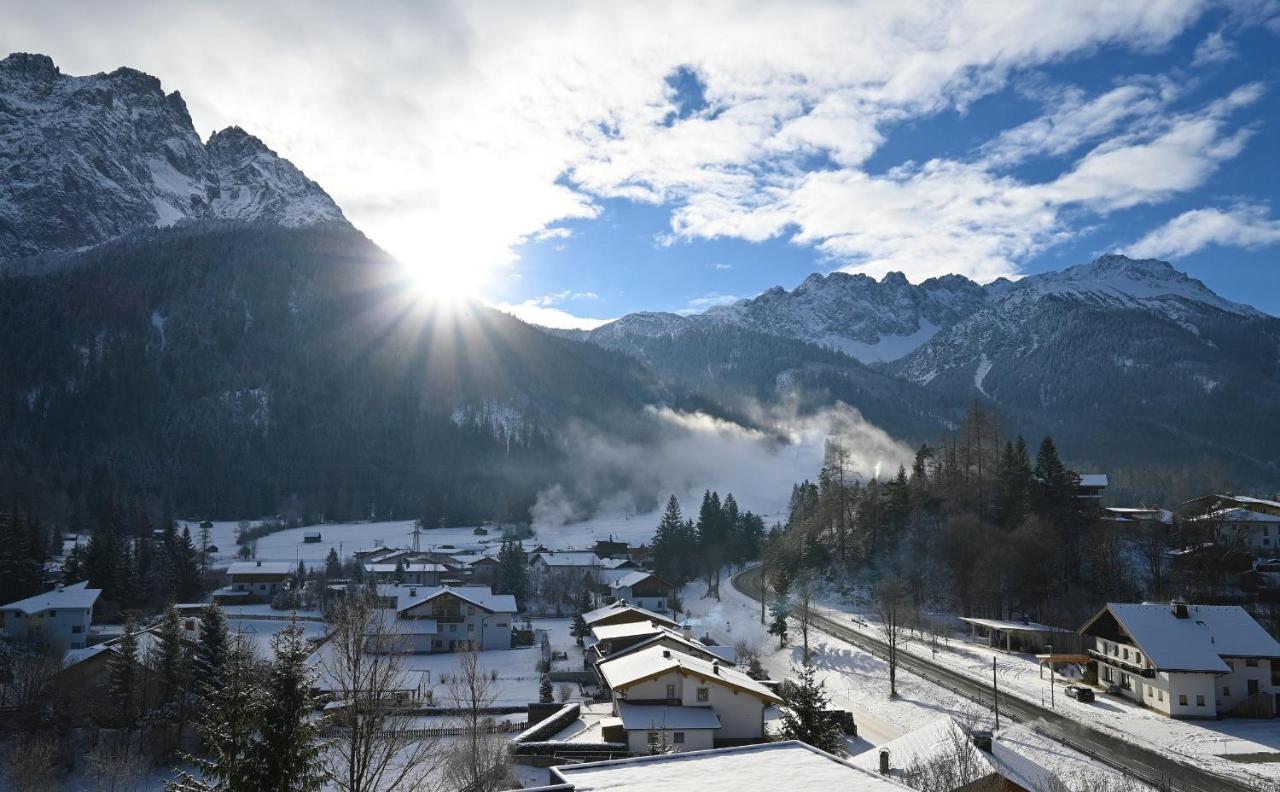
pixel 211 650
pixel 287 756
pixel 228 729
pixel 124 675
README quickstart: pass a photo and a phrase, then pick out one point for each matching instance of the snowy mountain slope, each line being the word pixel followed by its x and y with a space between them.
pixel 88 159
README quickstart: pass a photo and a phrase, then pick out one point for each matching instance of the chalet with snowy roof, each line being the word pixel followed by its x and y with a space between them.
pixel 667 681
pixel 255 581
pixel 427 619
pixel 59 618
pixel 948 758
pixel 1187 661
pixel 768 767
pixel 1251 523
pixel 608 548
pixel 415 573
pixel 644 589
pixel 597 651
pixel 620 612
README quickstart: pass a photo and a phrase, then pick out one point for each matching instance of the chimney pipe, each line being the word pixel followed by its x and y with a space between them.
pixel 884 761
pixel 1179 609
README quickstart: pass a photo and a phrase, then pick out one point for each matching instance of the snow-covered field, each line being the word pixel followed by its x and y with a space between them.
pixel 858 682
pixel 1208 743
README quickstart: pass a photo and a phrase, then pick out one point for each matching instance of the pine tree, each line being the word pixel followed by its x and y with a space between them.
pixel 545 694
pixel 123 675
pixel 779 610
pixel 228 730
pixel 804 712
pixel 171 660
pixel 666 544
pixel 1013 488
pixel 287 757
pixel 513 571
pixel 211 651
pixel 332 565
pixel 398 574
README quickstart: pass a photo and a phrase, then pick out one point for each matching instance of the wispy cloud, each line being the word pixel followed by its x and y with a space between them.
pixel 1215 48
pixel 534 312
pixel 1243 225
pixel 700 304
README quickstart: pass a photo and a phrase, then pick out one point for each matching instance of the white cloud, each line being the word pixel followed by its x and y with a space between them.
pixel 535 312
pixel 721 266
pixel 1216 48
pixel 1244 225
pixel 700 304
pixel 452 133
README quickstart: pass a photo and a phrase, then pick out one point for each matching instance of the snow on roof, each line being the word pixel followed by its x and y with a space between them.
pixel 767 767
pixel 414 567
pixel 1012 626
pixel 637 717
pixel 1093 479
pixel 623 671
pixel 591 617
pixel 691 646
pixel 1256 501
pixel 609 632
pixel 572 558
pixel 1238 514
pixel 408 595
pixel 631 579
pixel 261 568
pixel 1196 643
pixel 934 741
pixel 75 596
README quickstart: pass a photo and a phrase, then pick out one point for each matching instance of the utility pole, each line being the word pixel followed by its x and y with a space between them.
pixel 995 691
pixel 1051 704
pixel 764 589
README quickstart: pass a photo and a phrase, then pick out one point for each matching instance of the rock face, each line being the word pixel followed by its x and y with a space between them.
pixel 87 159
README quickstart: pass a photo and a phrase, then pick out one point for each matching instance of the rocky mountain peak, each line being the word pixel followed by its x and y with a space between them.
pixel 93 158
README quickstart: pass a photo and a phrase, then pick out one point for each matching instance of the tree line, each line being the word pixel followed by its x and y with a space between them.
pixel 684 549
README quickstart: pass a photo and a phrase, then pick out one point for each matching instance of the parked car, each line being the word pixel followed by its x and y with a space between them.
pixel 1113 690
pixel 1080 693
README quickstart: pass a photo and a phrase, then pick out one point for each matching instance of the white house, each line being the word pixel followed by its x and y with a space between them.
pixel 256 580
pixel 1187 661
pixel 622 612
pixel 644 589
pixel 417 573
pixel 447 618
pixel 670 679
pixel 767 767
pixel 1253 523
pixel 61 617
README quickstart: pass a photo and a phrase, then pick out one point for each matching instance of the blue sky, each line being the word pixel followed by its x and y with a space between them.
pixel 623 260
pixel 573 162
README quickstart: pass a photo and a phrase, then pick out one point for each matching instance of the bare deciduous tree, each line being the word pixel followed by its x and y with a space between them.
pixel 891 603
pixel 478 760
pixel 114 768
pixel 374 743
pixel 29 765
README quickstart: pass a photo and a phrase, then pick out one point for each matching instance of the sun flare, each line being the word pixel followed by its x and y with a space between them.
pixel 446 284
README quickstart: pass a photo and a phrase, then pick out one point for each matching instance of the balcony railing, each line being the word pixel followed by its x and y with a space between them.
pixel 1127 665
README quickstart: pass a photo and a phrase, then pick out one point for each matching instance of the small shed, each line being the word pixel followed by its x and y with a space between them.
pixel 312 537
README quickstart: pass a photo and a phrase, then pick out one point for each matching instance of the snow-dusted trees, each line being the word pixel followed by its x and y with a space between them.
pixel 891 605
pixel 124 676
pixel 477 760
pixel 288 753
pixel 513 571
pixel 805 711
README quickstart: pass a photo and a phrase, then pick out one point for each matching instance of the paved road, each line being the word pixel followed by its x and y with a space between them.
pixel 1153 768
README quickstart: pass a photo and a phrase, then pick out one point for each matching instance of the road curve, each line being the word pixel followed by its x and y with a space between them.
pixel 1158 770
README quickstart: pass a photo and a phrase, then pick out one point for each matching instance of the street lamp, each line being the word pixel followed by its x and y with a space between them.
pixel 1051 671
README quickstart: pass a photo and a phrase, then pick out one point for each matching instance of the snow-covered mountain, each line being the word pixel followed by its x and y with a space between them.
pixel 88 159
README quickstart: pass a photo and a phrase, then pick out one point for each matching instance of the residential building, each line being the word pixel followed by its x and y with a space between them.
pixel 256 581
pixel 623 612
pixel 413 573
pixel 768 767
pixel 60 617
pixel 1187 661
pixel 667 679
pixel 644 589
pixel 598 650
pixel 946 758
pixel 1249 523
pixel 446 618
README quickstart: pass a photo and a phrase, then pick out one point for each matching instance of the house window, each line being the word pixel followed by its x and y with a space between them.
pixel 677 738
pixel 53 614
pixel 1137 657
pixel 1252 685
pixel 1199 701
pixel 1182 699
pixel 704 694
pixel 1226 691
pixel 77 628
pixel 1126 654
pixel 671 691
pixel 471 627
pixel 1251 662
pixel 1159 695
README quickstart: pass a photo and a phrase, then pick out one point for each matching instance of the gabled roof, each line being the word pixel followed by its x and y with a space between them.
pixel 631 579
pixel 1093 479
pixel 612 609
pixel 74 597
pixel 626 670
pixel 671 636
pixel 766 767
pixel 572 558
pixel 937 740
pixel 1237 514
pixel 609 632
pixel 639 717
pixel 1196 643
pixel 409 596
pixel 261 568
pixel 415 567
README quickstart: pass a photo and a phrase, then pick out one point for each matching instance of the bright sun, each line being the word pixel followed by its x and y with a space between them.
pixel 445 284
